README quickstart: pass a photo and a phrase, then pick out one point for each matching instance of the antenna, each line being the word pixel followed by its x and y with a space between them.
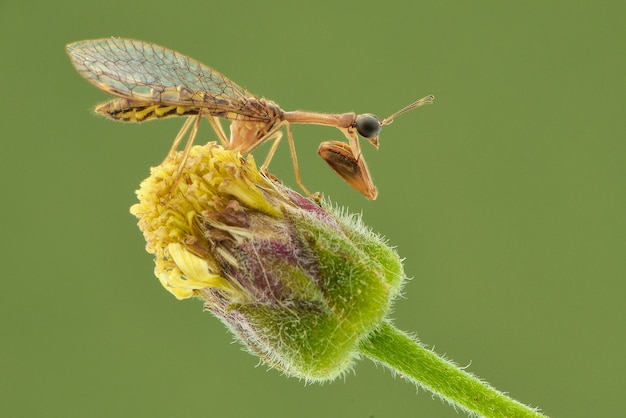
pixel 423 101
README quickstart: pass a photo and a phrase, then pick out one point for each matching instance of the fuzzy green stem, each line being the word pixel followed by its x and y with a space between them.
pixel 396 350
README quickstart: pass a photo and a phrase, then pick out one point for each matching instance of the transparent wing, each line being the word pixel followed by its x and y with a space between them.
pixel 148 72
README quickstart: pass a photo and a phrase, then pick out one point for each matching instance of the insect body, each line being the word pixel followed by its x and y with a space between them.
pixel 150 82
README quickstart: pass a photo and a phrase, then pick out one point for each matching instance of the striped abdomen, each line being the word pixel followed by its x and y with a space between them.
pixel 127 110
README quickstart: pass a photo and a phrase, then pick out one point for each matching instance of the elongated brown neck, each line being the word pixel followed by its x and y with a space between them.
pixel 343 121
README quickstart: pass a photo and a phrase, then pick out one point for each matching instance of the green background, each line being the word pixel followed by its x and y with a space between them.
pixel 506 197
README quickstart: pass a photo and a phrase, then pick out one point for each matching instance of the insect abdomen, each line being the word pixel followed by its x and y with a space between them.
pixel 127 111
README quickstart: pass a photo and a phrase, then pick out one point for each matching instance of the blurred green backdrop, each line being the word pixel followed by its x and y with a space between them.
pixel 506 197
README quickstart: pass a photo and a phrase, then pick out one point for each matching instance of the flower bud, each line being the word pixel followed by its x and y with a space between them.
pixel 299 282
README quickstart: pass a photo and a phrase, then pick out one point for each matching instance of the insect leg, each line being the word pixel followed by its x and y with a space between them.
pixel 278 136
pixel 219 130
pixel 180 136
pixel 294 159
pixel 339 156
pixel 355 145
pixel 192 136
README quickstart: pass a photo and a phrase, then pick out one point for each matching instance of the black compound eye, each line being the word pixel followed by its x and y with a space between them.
pixel 368 126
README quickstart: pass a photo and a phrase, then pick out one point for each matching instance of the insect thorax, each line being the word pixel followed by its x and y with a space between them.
pixel 247 134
